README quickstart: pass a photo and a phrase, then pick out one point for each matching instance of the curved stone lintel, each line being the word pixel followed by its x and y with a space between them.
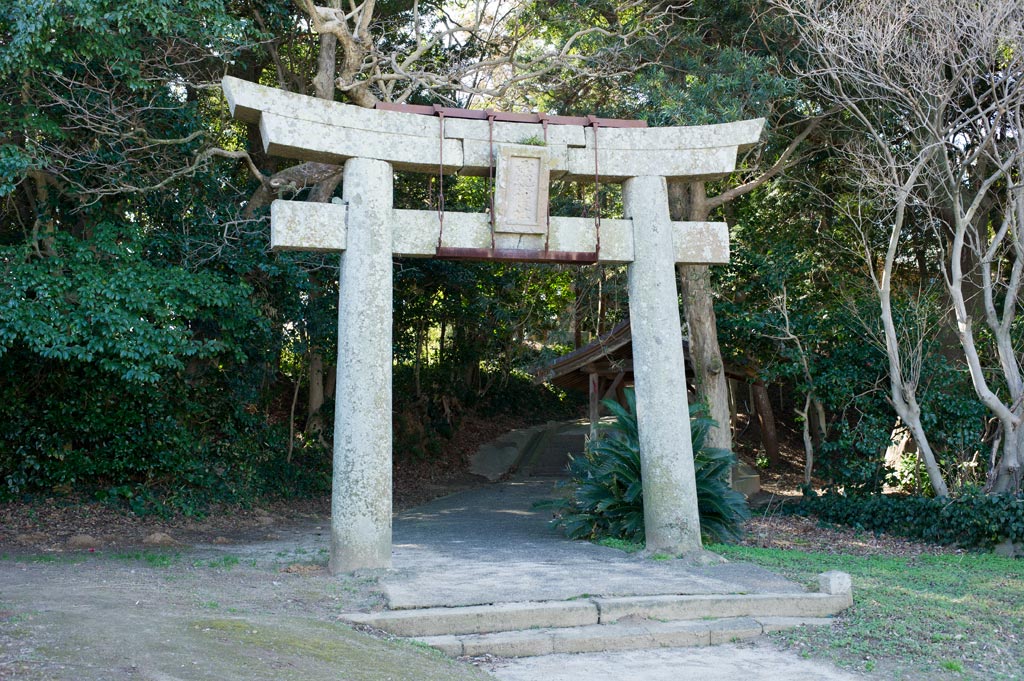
pixel 307 128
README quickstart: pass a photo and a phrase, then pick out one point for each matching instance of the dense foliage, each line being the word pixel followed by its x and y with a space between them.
pixel 152 349
pixel 970 521
pixel 605 497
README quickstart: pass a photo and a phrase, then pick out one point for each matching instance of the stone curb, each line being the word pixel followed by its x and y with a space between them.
pixel 598 637
pixel 480 619
pixel 746 605
pixel 502 617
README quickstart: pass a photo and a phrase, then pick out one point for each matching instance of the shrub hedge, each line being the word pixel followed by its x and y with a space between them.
pixel 973 520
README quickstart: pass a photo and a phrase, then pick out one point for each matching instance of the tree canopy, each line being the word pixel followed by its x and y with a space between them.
pixel 153 350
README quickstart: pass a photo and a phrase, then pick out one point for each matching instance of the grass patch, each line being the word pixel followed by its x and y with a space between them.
pixel 225 562
pixel 327 646
pixel 916 617
pixel 155 559
pixel 621 544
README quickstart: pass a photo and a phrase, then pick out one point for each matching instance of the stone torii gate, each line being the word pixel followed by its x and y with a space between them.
pixel 368 231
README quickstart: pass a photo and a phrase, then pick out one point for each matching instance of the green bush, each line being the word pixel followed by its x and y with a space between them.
pixel 164 447
pixel 607 490
pixel 973 520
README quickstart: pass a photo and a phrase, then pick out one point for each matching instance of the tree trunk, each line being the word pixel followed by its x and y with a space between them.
pixel 330 380
pixel 766 422
pixel 315 400
pixel 805 417
pixel 1006 479
pixel 688 201
pixel 820 430
pixel 577 315
pixel 904 396
pixel 323 85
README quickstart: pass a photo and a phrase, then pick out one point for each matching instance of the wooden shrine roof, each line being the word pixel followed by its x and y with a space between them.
pixel 608 355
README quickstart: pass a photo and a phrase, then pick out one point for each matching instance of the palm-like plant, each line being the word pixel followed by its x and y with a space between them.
pixel 606 498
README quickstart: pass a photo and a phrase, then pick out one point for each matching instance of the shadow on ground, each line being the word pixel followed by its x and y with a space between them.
pixel 268 609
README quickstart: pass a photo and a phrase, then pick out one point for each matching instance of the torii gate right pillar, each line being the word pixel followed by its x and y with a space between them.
pixel 671 521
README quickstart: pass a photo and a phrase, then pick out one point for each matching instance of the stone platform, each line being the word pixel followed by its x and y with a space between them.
pixel 482 571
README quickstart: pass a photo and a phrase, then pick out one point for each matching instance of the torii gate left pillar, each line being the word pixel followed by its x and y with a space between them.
pixel 361 493
pixel 372 144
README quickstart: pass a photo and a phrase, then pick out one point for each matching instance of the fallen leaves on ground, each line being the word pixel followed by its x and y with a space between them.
pixel 798 533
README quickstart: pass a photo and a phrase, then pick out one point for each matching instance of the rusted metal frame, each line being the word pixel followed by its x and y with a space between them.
pixel 490 170
pixel 507 117
pixel 595 123
pixel 440 178
pixel 515 255
pixel 547 208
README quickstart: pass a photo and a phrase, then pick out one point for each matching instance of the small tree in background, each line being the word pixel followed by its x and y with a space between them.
pixel 932 96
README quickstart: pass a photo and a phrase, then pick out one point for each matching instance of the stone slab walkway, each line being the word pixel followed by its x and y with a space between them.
pixel 750 662
pixel 492 545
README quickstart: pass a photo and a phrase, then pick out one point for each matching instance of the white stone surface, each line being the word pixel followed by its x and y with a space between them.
pixel 616 165
pixel 475 156
pixel 302 226
pixel 698 606
pixel 750 662
pixel 416 234
pixel 835 582
pixel 521 189
pixel 671 521
pixel 478 619
pixel 248 101
pixel 704 243
pixel 361 491
pixel 304 127
pixel 315 141
pixel 515 133
pixel 739 133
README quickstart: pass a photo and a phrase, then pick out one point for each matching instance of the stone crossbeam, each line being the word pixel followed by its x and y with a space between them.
pixel 311 129
pixel 302 226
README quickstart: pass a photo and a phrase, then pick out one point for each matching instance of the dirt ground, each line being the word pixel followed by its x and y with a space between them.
pixel 243 594
pixel 91 593
pixel 257 605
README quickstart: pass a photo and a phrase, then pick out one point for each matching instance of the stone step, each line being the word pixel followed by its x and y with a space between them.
pixel 634 634
pixel 503 617
pixel 498 457
pixel 479 619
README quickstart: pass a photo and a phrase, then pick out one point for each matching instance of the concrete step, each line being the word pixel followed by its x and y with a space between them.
pixel 635 634
pixel 479 619
pixel 504 454
pixel 591 624
pixel 504 617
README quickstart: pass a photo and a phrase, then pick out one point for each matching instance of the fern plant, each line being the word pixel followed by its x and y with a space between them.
pixel 606 488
